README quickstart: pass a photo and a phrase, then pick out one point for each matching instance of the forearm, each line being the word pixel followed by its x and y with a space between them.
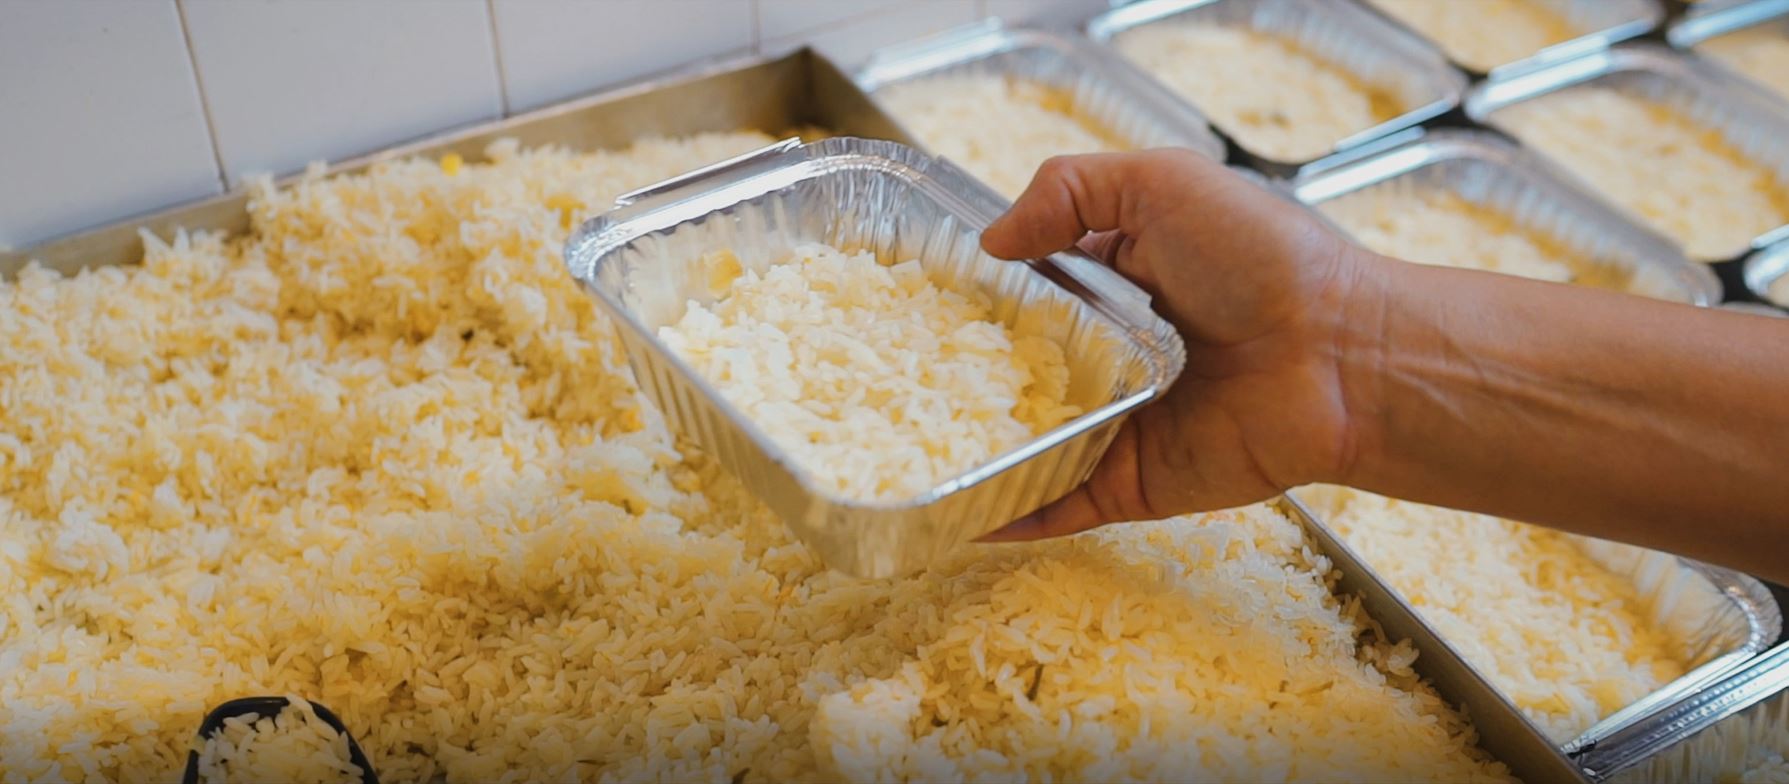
pixel 1609 415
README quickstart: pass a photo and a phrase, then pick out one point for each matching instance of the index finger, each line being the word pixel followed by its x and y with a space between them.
pixel 1074 194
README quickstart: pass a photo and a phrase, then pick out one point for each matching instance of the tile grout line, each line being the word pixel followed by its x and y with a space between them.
pixel 192 60
pixel 497 57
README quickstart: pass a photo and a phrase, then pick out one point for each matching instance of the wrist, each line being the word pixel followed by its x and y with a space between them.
pixel 1363 329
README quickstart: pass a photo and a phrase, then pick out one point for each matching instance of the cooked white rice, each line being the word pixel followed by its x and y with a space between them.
pixel 1483 34
pixel 1273 97
pixel 382 451
pixel 999 128
pixel 293 746
pixel 1759 53
pixel 1565 639
pixel 830 351
pixel 1433 226
pixel 1676 174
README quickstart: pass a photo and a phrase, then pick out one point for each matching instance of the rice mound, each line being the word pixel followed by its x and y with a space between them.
pixel 382 451
pixel 293 746
pixel 1677 174
pixel 1563 637
pixel 1274 97
pixel 999 128
pixel 1483 34
pixel 828 351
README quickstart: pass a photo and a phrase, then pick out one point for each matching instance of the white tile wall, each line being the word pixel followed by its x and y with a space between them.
pixel 1053 13
pixel 555 49
pixel 133 105
pixel 99 117
pixel 848 43
pixel 291 81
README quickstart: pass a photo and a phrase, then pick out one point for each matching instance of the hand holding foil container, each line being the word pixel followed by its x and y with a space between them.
pixel 645 261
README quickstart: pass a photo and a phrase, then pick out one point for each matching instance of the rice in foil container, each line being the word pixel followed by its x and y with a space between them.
pixel 1734 730
pixel 647 258
pixel 1366 46
pixel 1123 103
pixel 1488 171
pixel 1590 25
pixel 1757 128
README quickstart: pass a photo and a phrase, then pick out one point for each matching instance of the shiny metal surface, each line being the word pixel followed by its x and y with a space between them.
pixel 1712 735
pixel 1764 269
pixel 1487 169
pixel 1604 23
pixel 1119 99
pixel 1356 40
pixel 769 94
pixel 1502 728
pixel 645 261
pixel 1755 125
pixel 1693 31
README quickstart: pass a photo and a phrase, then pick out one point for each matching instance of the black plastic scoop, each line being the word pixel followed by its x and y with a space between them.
pixel 266 707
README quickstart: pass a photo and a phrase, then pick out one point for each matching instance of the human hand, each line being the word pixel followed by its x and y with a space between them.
pixel 1259 290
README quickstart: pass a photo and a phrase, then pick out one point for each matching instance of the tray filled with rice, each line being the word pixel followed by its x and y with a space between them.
pixel 1588 636
pixel 1470 198
pixel 1501 37
pixel 793 305
pixel 1749 40
pixel 1288 81
pixel 1670 143
pixel 999 101
pixel 375 447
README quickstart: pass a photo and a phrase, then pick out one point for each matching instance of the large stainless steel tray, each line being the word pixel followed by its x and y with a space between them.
pixel 1602 23
pixel 1712 735
pixel 775 94
pixel 1488 170
pixel 1502 728
pixel 647 258
pixel 1356 40
pixel 1756 126
pixel 1120 100
pixel 768 94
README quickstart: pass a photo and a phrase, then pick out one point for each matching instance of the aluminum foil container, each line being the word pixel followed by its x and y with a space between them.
pixel 1756 126
pixel 1120 100
pixel 1767 269
pixel 644 261
pixel 1488 170
pixel 1715 734
pixel 1693 31
pixel 1366 45
pixel 1602 23
pixel 1718 617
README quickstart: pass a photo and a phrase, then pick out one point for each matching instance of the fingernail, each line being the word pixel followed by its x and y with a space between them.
pixel 1011 532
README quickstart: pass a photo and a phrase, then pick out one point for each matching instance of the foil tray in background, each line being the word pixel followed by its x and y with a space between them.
pixel 767 94
pixel 1765 268
pixel 1711 735
pixel 648 258
pixel 1503 730
pixel 1600 24
pixel 1120 100
pixel 1755 126
pixel 1487 170
pixel 1376 51
pixel 1693 31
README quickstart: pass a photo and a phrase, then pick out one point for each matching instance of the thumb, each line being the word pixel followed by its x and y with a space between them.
pixel 1068 197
